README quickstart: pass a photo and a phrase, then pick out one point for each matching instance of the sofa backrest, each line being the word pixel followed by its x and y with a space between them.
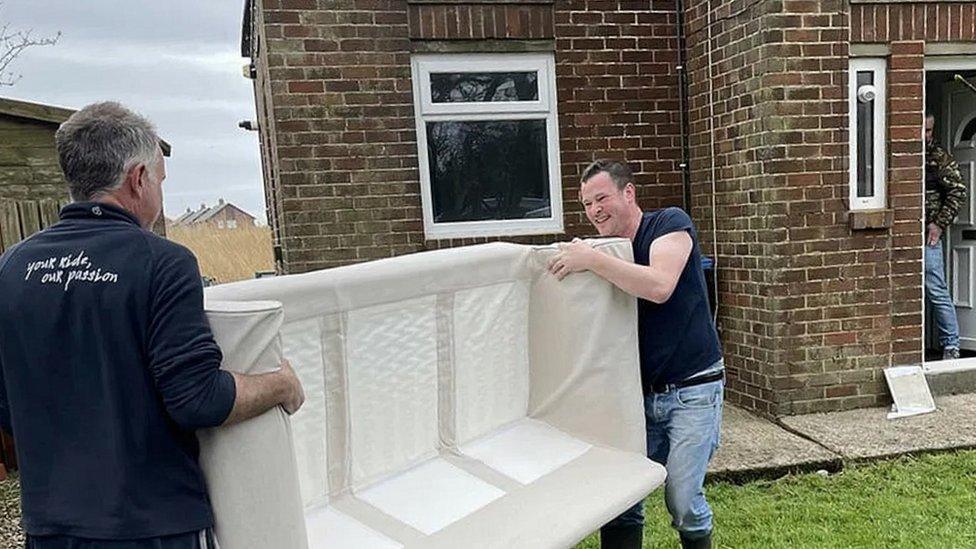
pixel 406 359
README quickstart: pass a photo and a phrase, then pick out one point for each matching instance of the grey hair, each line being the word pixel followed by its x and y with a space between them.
pixel 618 171
pixel 99 144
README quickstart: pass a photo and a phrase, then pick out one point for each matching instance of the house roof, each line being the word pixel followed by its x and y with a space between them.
pixel 49 114
pixel 246 29
pixel 195 216
pixel 206 213
pixel 182 217
pixel 217 209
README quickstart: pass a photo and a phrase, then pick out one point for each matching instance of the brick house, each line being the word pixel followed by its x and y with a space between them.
pixel 791 130
pixel 222 215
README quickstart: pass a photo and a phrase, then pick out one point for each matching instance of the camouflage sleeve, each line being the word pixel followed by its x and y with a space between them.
pixel 953 189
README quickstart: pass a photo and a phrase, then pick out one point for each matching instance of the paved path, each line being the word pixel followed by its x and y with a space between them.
pixel 756 447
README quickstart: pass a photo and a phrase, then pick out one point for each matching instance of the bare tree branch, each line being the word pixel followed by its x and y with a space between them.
pixel 12 44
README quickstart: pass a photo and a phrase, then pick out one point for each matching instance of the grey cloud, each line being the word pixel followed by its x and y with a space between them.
pixel 177 62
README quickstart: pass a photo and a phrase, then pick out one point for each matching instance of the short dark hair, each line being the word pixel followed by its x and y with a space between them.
pixel 618 171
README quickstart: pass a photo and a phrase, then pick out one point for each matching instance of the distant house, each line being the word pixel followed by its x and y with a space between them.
pixel 222 215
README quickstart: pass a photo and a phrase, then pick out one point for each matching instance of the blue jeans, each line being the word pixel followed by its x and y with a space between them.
pixel 683 428
pixel 937 293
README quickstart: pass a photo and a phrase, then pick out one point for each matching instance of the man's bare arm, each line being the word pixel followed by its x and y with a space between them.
pixel 655 282
pixel 256 394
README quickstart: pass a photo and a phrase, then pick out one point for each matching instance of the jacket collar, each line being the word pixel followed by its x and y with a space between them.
pixel 97 210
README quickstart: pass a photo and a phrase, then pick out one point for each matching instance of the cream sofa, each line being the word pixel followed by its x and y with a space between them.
pixel 455 399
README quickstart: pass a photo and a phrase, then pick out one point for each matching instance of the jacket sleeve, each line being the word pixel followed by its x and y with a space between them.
pixel 953 191
pixel 5 424
pixel 183 357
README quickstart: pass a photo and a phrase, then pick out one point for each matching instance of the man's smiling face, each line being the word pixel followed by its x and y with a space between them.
pixel 607 207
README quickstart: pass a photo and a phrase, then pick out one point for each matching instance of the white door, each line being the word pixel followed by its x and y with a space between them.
pixel 959 138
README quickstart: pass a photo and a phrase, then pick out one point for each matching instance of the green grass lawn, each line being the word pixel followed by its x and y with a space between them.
pixel 923 502
pixel 916 503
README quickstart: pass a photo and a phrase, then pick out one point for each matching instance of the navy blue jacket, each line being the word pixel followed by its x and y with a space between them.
pixel 107 366
pixel 677 338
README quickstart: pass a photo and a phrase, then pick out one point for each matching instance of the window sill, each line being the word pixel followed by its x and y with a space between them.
pixel 518 2
pixel 492 229
pixel 871 219
pixel 907 1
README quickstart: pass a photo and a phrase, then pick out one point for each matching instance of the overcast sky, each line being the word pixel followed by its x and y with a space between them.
pixel 176 61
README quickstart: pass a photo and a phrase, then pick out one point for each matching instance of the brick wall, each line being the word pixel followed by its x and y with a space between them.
pixel 618 95
pixel 811 310
pixel 267 127
pixel 835 303
pixel 926 21
pixel 338 86
pixel 232 213
pixel 906 28
pixel 334 79
pixel 727 62
pixel 525 20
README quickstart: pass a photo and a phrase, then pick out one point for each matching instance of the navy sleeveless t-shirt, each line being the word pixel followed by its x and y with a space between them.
pixel 677 338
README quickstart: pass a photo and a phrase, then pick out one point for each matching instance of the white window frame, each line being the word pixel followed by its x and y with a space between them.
pixel 879 67
pixel 422 65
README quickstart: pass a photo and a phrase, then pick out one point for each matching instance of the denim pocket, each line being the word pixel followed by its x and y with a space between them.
pixel 698 396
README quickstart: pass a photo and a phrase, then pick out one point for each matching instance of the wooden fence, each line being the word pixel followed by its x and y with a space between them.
pixel 18 220
pixel 22 218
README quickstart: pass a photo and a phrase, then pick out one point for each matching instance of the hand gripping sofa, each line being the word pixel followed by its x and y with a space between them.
pixel 461 398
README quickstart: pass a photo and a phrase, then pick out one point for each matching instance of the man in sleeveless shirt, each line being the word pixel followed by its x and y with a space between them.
pixel 682 372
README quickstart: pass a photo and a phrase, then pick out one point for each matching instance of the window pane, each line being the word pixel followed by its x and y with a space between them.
pixel 473 87
pixel 865 139
pixel 969 132
pixel 483 170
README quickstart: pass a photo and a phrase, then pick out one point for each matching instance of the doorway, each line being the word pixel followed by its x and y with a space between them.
pixel 953 104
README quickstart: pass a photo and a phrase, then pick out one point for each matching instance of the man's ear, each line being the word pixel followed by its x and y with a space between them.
pixel 630 191
pixel 134 183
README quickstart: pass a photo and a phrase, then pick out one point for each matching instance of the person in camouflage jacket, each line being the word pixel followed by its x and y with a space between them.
pixel 945 193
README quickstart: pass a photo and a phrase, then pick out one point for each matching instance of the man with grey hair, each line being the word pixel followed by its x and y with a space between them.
pixel 682 372
pixel 107 362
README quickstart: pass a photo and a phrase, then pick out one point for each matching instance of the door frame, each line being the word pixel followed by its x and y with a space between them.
pixel 962 62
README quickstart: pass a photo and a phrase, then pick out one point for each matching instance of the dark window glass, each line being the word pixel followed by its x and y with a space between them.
pixel 865 139
pixel 484 170
pixel 478 87
pixel 968 132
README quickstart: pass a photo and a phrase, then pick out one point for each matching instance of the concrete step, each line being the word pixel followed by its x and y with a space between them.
pixel 951 377
pixel 753 447
pixel 867 433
